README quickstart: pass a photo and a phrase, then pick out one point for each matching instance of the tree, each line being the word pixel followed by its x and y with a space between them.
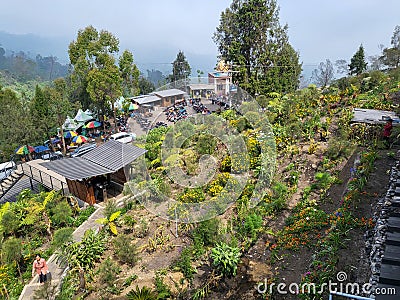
pixel 145 86
pixel 42 113
pixel 341 66
pixel 61 106
pixel 11 253
pixel 250 38
pixel 391 56
pixel 130 74
pixel 96 79
pixel 357 64
pixel 324 74
pixel 180 68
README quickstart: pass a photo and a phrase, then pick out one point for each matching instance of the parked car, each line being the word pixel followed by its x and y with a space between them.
pixel 123 137
pixel 85 148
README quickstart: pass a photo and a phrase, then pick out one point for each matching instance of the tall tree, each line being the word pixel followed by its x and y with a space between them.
pixel 180 68
pixel 250 38
pixel 60 104
pixel 391 56
pixel 324 74
pixel 357 63
pixel 91 56
pixel 42 113
pixel 130 74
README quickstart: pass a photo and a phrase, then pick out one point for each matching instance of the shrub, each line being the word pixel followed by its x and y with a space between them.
pixel 108 271
pixel 226 258
pixel 84 215
pixel 125 251
pixel 206 233
pixel 251 226
pixel 111 207
pixel 184 264
pixel 62 236
pixel 9 222
pixel 143 293
pixel 61 213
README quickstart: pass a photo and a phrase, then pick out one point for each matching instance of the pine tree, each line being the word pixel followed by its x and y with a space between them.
pixel 251 39
pixel 357 64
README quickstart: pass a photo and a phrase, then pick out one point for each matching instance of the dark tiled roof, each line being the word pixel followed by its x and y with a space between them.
pixel 107 158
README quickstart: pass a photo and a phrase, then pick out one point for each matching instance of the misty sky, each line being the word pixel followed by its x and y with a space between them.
pixel 151 29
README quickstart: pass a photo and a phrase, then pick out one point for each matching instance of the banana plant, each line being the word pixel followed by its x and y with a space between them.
pixel 110 222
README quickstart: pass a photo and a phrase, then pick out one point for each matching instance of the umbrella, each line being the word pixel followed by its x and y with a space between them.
pixel 69 134
pixel 79 139
pixel 92 124
pixel 24 150
pixel 133 106
pixel 41 148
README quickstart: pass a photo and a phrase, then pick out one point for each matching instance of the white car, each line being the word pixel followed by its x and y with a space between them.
pixel 123 137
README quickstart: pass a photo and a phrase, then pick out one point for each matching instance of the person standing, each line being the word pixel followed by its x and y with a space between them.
pixel 40 267
pixel 387 131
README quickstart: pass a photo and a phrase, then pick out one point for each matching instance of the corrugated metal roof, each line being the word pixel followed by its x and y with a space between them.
pixel 114 155
pixel 146 99
pixel 168 93
pixel 104 159
pixel 76 168
pixel 201 86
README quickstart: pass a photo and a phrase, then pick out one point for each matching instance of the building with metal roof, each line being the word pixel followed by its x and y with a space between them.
pixel 99 167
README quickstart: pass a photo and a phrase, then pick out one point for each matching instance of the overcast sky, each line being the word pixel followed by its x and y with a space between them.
pixel 319 30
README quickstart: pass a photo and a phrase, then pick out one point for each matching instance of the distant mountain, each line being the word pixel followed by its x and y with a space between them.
pixel 34 44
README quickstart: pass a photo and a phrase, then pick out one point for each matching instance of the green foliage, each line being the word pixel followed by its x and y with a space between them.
pixel 125 251
pixel 84 215
pixel 206 233
pixel 62 236
pixel 206 144
pixel 226 258
pixel 184 264
pixel 111 208
pixel 357 63
pixel 11 251
pixel 180 68
pixel 108 271
pixel 249 35
pixel 143 293
pixel 85 253
pixel 251 226
pixel 163 291
pixel 9 222
pixel 61 213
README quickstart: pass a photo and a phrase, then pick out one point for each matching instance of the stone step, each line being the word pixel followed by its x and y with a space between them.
pixel 390 274
pixel 387 292
pixel 393 238
pixel 391 255
pixel 393 224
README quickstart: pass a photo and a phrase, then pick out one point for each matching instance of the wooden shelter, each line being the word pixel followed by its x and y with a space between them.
pixel 89 175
